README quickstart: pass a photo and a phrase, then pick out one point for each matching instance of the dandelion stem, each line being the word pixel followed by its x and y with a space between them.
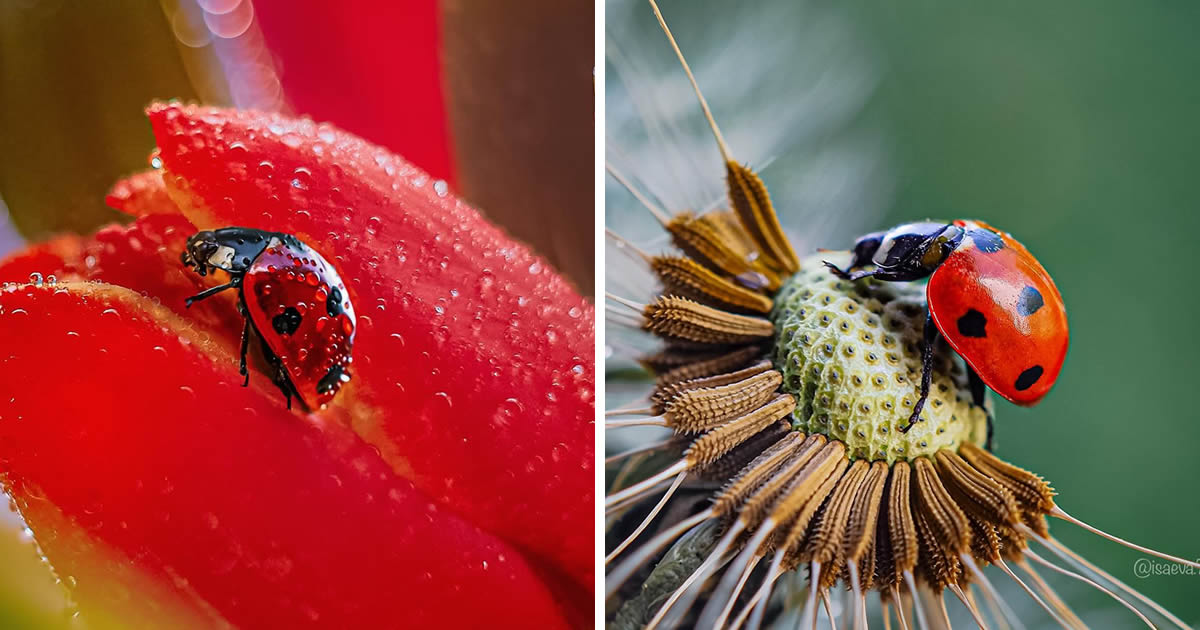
pixel 625 244
pixel 654 421
pixel 638 411
pixel 809 618
pixel 630 565
pixel 1063 552
pixel 712 122
pixel 623 318
pixel 658 212
pixel 828 609
pixel 1053 567
pixel 912 589
pixel 1059 513
pixel 698 577
pixel 626 302
pixel 726 591
pixel 860 600
pixel 970 608
pixel 758 604
pixel 1051 596
pixel 1004 567
pixel 636 451
pixel 899 607
pixel 644 485
pixel 991 595
pixel 649 518
pixel 941 601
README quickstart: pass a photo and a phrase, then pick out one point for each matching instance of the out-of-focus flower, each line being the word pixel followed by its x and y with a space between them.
pixel 373 67
pixel 448 484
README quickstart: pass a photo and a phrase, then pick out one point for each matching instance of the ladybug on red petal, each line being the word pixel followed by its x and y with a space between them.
pixel 292 299
pixel 988 297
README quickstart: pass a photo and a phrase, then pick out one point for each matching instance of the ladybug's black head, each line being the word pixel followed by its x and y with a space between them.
pixel 201 249
pixel 230 249
pixel 910 251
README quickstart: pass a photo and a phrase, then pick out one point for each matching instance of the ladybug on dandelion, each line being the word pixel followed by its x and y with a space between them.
pixel 292 299
pixel 988 297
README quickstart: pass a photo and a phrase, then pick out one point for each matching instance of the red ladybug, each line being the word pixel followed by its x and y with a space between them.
pixel 988 297
pixel 293 300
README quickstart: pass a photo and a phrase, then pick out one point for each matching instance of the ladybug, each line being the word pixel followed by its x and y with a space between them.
pixel 988 297
pixel 292 299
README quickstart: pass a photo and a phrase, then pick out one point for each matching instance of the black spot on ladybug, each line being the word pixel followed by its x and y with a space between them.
pixel 987 241
pixel 972 324
pixel 1028 378
pixel 333 303
pixel 1029 302
pixel 286 322
pixel 332 380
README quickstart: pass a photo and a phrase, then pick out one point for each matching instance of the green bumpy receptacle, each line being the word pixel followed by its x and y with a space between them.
pixel 851 355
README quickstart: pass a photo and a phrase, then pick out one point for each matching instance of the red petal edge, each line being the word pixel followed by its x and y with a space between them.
pixel 145 447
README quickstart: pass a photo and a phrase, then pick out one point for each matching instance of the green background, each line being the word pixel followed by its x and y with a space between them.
pixel 1074 126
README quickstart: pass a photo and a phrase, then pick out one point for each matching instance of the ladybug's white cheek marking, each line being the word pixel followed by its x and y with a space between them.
pixel 222 258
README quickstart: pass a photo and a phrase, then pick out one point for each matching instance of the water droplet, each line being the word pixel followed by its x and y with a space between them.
pixel 441 188
pixel 35 279
pixel 301 178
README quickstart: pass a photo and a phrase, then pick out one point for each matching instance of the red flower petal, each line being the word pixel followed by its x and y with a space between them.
pixel 151 452
pixel 398 104
pixel 473 359
pixel 60 256
pixel 141 194
pixel 143 256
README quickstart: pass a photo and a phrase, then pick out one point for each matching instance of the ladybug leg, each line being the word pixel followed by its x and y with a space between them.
pixel 846 275
pixel 931 337
pixel 245 348
pixel 278 373
pixel 207 293
pixel 978 389
pixel 888 275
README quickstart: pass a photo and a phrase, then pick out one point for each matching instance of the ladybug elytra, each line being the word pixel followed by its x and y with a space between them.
pixel 988 297
pixel 292 299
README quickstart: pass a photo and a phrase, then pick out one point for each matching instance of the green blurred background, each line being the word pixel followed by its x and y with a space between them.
pixel 1072 125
